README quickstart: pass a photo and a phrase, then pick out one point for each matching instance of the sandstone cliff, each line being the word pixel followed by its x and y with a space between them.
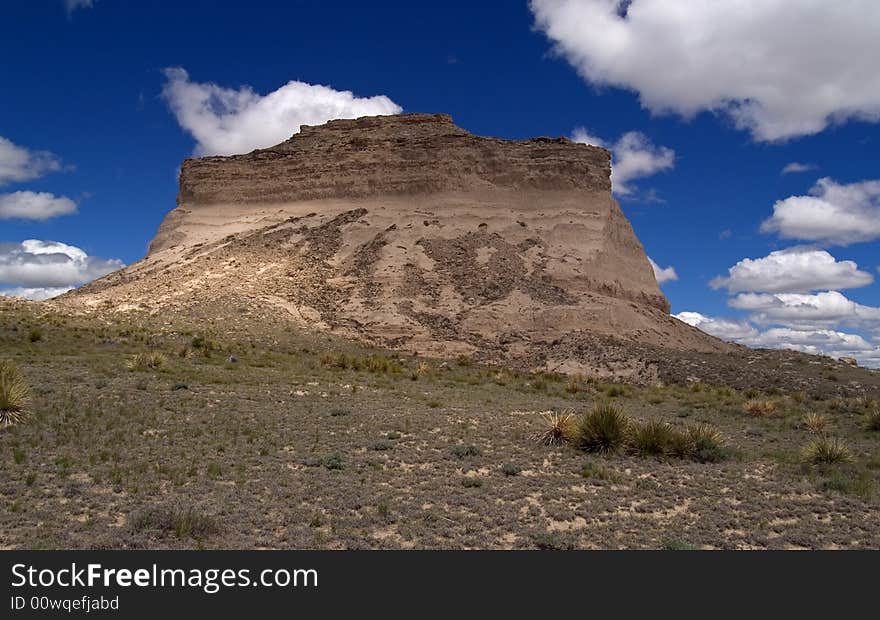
pixel 408 231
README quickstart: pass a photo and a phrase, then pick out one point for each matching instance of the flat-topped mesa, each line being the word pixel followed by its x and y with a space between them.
pixel 404 154
pixel 409 232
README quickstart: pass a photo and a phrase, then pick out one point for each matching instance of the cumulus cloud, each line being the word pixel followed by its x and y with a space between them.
pixel 18 164
pixel 779 69
pixel 225 121
pixel 825 309
pixel 726 329
pixel 832 213
pixel 35 294
pixel 799 269
pixel 796 167
pixel 34 206
pixel 814 341
pixel 50 264
pixel 663 274
pixel 633 156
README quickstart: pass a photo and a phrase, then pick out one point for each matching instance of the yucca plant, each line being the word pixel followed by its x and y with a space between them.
pixel 816 423
pixel 604 429
pixel 146 361
pixel 872 419
pixel 652 438
pixel 759 408
pixel 559 429
pixel 706 443
pixel 826 450
pixel 14 394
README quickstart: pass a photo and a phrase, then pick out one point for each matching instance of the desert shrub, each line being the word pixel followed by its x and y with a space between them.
pixel 146 361
pixel 652 438
pixel 613 391
pixel 676 544
pixel 826 450
pixel 860 485
pixel 332 461
pixel 182 522
pixel 604 429
pixel 214 470
pixel 707 444
pixel 35 335
pixel 371 363
pixel 509 469
pixel 471 482
pixel 591 470
pixel 680 445
pixel 205 344
pixel 559 428
pixel 382 364
pixel 872 420
pixel 382 445
pixel 337 412
pixel 816 423
pixel 867 403
pixel 462 451
pixel 759 408
pixel 14 393
pixel 539 384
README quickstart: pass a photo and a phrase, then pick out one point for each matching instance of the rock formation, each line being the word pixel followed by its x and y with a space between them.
pixel 408 231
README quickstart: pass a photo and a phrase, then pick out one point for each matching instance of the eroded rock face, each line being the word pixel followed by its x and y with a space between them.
pixel 408 231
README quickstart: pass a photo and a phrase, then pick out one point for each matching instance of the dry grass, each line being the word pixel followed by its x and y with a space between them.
pixel 826 450
pixel 816 423
pixel 146 361
pixel 560 428
pixel 759 408
pixel 872 419
pixel 14 394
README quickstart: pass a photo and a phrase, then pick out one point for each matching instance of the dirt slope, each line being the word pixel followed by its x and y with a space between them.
pixel 408 231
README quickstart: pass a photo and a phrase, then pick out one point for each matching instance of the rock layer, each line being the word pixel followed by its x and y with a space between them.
pixel 409 231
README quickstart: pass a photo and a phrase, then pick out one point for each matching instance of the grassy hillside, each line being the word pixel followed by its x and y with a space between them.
pixel 155 435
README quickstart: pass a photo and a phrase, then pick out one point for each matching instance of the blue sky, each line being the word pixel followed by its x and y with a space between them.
pixel 84 117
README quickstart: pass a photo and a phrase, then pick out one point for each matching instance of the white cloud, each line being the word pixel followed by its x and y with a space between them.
pixel 50 264
pixel 663 274
pixel 832 213
pixel 72 5
pixel 815 341
pixel 777 68
pixel 796 167
pixel 18 164
pixel 580 134
pixel 634 156
pixel 726 329
pixel 34 206
pixel 826 309
pixel 35 294
pixel 798 269
pixel 225 121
